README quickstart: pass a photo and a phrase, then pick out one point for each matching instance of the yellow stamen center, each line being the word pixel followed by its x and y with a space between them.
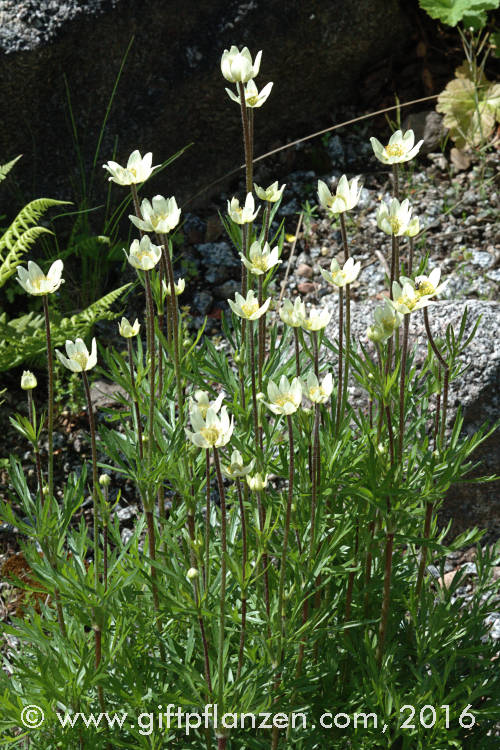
pixel 284 399
pixel 395 224
pixel 425 289
pixel 81 359
pixel 394 149
pixel 260 262
pixel 211 434
pixel 249 308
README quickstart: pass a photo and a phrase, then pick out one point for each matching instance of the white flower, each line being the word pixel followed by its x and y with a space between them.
pixel 342 276
pixel 35 282
pixel 253 98
pixel 257 482
pixel 346 196
pixel 127 330
pixel 413 227
pixel 429 286
pixel 237 468
pixel 202 402
pixel 406 299
pixel 245 214
pixel 316 320
pixel 143 254
pixel 28 381
pixel 161 215
pixel 387 319
pixel 138 169
pixel 261 259
pixel 317 392
pixel 248 308
pixel 271 193
pixel 286 397
pixel 293 315
pixel 78 358
pixel 394 219
pixel 179 287
pixel 399 149
pixel 237 67
pixel 210 431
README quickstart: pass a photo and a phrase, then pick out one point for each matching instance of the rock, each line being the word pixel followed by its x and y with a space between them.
pixel 460 159
pixel 429 126
pixel 476 390
pixel 105 395
pixel 203 302
pixel 171 92
pixel 220 261
pixel 305 270
pixel 227 290
pixel 306 287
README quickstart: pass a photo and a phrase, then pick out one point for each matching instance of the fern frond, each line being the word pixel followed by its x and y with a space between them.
pixel 23 339
pixel 5 168
pixel 21 235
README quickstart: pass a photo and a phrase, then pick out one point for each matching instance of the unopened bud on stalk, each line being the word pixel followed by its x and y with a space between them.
pixel 104 480
pixel 192 573
pixel 28 381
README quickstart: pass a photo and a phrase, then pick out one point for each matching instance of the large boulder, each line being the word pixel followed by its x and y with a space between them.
pixel 172 92
pixel 476 391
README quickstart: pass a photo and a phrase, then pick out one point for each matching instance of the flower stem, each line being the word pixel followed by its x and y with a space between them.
pixel 386 597
pixel 341 346
pixel 206 566
pixel 136 403
pixel 262 335
pixel 244 556
pixel 402 380
pixel 252 375
pixel 50 405
pixel 247 136
pixel 284 550
pixel 222 612
pixel 95 483
pixel 297 351
pixel 395 173
pixel 204 641
pixel 175 320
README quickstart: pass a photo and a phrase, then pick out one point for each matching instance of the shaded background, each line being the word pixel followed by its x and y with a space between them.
pixel 321 56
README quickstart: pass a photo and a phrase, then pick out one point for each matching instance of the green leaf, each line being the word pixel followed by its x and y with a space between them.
pixel 452 12
pixel 5 168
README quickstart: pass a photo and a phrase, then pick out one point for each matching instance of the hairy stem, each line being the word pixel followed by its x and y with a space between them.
pixel 95 481
pixel 247 137
pixel 50 404
pixel 297 351
pixel 135 401
pixel 244 556
pixel 222 610
pixel 341 346
pixel 402 381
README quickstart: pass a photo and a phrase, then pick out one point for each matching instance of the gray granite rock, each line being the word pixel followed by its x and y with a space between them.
pixel 172 92
pixel 477 391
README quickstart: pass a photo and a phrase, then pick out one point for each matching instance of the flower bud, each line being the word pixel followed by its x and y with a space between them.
pixel 104 480
pixel 28 381
pixel 192 573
